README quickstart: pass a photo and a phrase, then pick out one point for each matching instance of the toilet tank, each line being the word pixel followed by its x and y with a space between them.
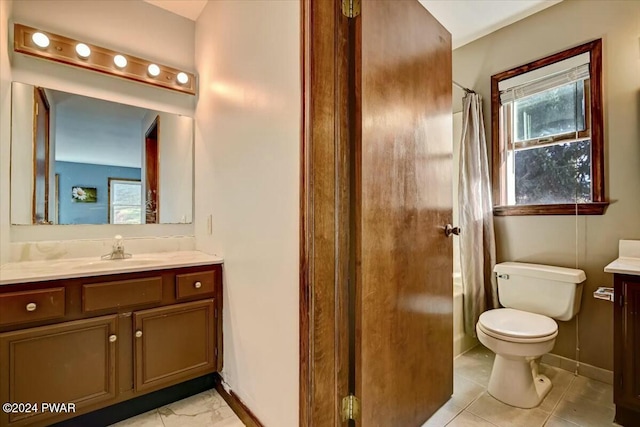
pixel 552 291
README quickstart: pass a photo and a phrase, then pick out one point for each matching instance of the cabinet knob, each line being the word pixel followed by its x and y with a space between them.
pixel 112 338
pixel 138 334
pixel 31 306
pixel 197 285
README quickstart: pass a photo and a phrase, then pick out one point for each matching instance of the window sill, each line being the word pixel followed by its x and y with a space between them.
pixel 594 208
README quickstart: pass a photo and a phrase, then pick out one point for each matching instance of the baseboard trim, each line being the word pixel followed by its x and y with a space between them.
pixel 584 369
pixel 241 410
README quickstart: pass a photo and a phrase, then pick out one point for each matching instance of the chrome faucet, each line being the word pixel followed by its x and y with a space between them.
pixel 117 250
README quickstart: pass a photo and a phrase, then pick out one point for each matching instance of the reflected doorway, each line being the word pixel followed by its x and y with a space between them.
pixel 40 213
pixel 151 173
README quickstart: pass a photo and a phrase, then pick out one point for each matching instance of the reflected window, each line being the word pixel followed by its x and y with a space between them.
pixel 125 201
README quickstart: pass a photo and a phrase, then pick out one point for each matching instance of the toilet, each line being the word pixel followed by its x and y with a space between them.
pixel 519 334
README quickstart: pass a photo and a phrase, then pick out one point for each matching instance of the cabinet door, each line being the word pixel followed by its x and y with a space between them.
pixel 627 338
pixel 71 362
pixel 173 344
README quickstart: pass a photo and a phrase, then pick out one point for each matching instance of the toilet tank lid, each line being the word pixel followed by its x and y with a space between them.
pixel 548 272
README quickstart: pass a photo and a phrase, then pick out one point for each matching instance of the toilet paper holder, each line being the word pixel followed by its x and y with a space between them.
pixel 604 293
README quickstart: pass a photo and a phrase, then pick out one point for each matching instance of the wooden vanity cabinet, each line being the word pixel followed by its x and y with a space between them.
pixel 36 361
pixel 627 350
pixel 103 340
pixel 174 343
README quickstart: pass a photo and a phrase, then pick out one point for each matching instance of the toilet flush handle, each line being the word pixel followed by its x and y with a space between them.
pixel 449 230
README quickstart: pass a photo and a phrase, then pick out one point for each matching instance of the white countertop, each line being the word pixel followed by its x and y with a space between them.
pixel 38 271
pixel 629 259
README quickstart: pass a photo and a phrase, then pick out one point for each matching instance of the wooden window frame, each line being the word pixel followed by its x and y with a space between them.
pixel 110 203
pixel 599 203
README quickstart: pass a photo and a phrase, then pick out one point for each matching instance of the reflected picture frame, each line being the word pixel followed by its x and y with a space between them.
pixel 81 194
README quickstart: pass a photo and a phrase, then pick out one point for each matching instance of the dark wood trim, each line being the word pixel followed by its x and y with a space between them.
pixel 241 410
pixel 324 207
pixel 595 208
pixel 305 380
pixel 599 204
pixel 597 123
pixel 627 417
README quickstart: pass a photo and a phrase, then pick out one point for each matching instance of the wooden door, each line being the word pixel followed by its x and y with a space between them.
pixel 70 362
pixel 403 143
pixel 174 343
pixel 40 210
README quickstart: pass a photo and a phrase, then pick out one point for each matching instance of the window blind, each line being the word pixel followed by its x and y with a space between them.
pixel 553 75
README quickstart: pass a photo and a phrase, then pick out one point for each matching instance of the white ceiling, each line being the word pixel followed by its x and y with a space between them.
pixel 188 8
pixel 467 20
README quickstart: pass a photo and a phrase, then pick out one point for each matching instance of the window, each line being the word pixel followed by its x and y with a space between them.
pixel 547 137
pixel 125 201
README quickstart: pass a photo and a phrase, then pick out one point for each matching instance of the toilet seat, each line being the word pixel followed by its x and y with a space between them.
pixel 512 325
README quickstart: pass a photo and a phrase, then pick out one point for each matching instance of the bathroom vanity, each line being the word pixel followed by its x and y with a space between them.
pixel 95 333
pixel 626 368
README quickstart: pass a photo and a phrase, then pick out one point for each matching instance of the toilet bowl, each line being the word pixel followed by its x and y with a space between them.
pixel 521 333
pixel 518 339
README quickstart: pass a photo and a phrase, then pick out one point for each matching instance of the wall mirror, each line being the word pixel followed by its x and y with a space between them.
pixel 81 160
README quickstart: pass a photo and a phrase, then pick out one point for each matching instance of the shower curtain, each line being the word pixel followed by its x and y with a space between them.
pixel 477 238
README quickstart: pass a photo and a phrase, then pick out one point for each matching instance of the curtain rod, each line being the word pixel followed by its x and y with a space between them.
pixel 467 90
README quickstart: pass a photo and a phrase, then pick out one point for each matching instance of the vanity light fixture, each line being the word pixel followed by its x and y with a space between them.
pixel 182 78
pixel 120 61
pixel 61 49
pixel 83 50
pixel 40 39
pixel 153 70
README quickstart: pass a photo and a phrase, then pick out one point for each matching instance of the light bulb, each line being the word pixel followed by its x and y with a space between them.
pixel 83 50
pixel 183 78
pixel 120 61
pixel 153 70
pixel 41 40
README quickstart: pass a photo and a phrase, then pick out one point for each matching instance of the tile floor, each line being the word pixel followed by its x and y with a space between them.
pixel 574 401
pixel 206 409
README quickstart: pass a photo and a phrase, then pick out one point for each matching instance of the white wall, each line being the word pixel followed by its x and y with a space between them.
pixel 247 177
pixel 134 27
pixel 5 131
pixel 589 241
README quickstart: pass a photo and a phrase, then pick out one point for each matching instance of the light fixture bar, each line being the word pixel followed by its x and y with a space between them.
pixel 63 49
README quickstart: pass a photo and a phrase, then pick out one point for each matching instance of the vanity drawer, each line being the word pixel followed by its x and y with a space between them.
pixel 122 293
pixel 194 284
pixel 30 306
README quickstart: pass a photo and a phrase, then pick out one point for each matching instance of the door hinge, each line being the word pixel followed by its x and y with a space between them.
pixel 621 300
pixel 37 109
pixel 350 408
pixel 351 8
pixel 215 351
pixel 215 313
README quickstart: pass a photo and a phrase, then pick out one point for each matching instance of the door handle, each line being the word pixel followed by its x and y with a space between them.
pixel 449 230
